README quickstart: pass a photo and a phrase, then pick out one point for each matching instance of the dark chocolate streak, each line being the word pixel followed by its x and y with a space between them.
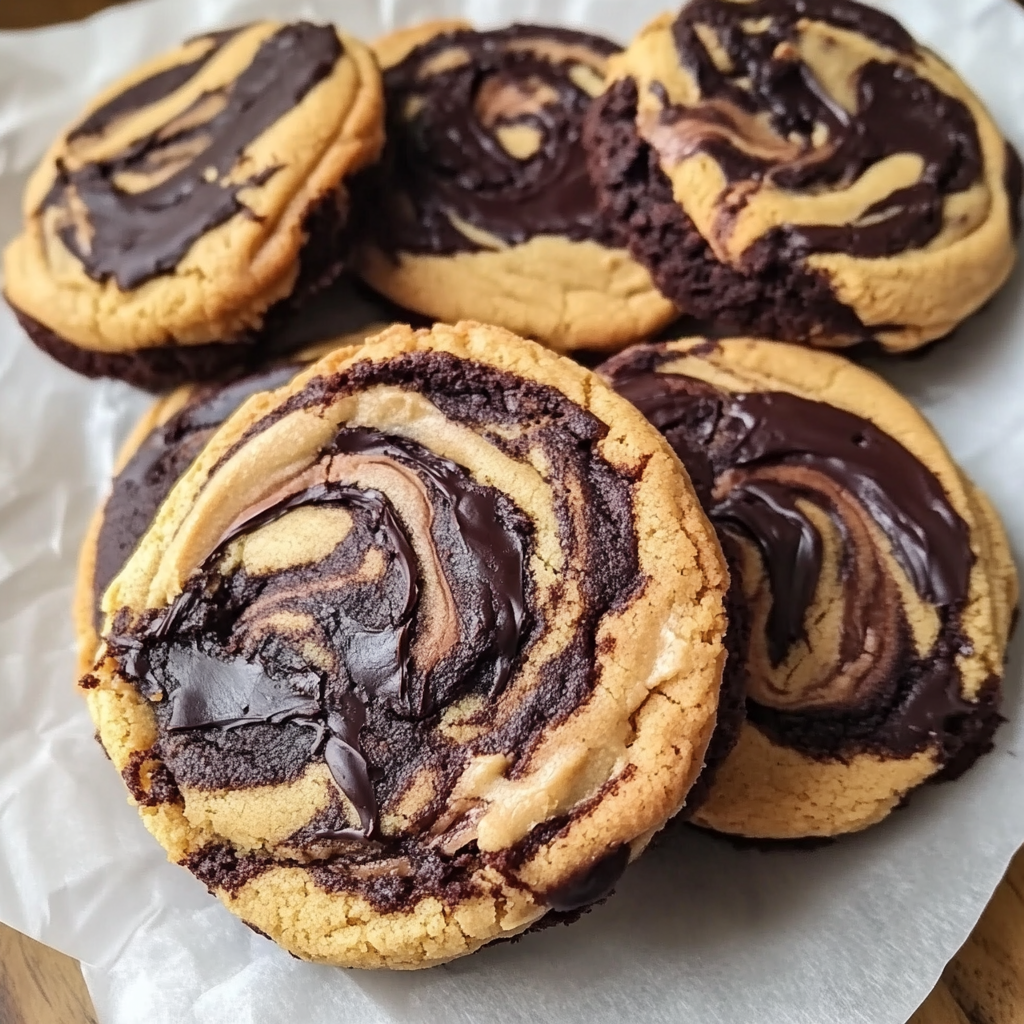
pixel 929 540
pixel 483 544
pixel 445 160
pixel 721 436
pixel 1014 181
pixel 134 237
pixel 322 305
pixel 772 296
pixel 897 112
pixel 151 90
pixel 590 885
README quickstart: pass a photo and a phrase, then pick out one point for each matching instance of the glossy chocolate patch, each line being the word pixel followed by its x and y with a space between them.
pixel 360 687
pixel 211 657
pixel 590 885
pixel 897 112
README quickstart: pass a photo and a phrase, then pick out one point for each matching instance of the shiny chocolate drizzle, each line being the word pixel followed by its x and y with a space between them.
pixel 447 159
pixel 898 111
pixel 245 707
pixel 740 450
pixel 134 237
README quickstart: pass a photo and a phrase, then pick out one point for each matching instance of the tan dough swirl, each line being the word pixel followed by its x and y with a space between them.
pixel 853 625
pixel 483 204
pixel 156 454
pixel 168 215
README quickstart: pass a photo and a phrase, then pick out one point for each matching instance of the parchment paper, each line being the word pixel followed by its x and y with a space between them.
pixel 699 931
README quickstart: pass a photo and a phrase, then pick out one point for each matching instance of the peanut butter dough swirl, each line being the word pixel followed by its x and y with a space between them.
pixel 859 573
pixel 482 207
pixel 156 465
pixel 132 214
pixel 774 113
pixel 372 635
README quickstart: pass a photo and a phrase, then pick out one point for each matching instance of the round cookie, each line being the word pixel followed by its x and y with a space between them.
pixel 402 663
pixel 482 207
pixel 184 218
pixel 805 172
pixel 878 582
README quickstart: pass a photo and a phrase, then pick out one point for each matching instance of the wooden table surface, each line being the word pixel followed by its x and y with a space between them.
pixel 983 984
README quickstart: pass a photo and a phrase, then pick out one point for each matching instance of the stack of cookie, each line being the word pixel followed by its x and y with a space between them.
pixel 407 633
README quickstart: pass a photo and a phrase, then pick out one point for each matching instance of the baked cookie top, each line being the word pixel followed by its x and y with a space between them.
pixel 821 133
pixel 406 652
pixel 164 443
pixel 172 211
pixel 878 580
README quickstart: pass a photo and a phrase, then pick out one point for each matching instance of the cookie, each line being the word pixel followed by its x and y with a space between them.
pixel 175 228
pixel 805 172
pixel 878 581
pixel 403 663
pixel 482 207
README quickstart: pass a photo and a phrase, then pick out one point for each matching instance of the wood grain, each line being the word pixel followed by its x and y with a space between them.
pixel 31 13
pixel 39 985
pixel 983 984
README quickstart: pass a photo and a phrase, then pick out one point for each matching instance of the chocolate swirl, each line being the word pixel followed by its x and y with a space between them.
pixel 857 566
pixel 754 71
pixel 484 139
pixel 133 216
pixel 151 89
pixel 219 659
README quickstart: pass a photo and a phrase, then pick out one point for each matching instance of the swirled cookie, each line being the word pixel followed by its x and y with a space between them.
pixel 878 581
pixel 482 207
pixel 196 204
pixel 403 662
pixel 805 172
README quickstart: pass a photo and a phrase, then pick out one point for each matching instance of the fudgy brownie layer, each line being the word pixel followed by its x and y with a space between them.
pixel 732 697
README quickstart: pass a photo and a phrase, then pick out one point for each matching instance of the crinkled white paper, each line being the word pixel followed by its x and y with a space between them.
pixel 699 931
